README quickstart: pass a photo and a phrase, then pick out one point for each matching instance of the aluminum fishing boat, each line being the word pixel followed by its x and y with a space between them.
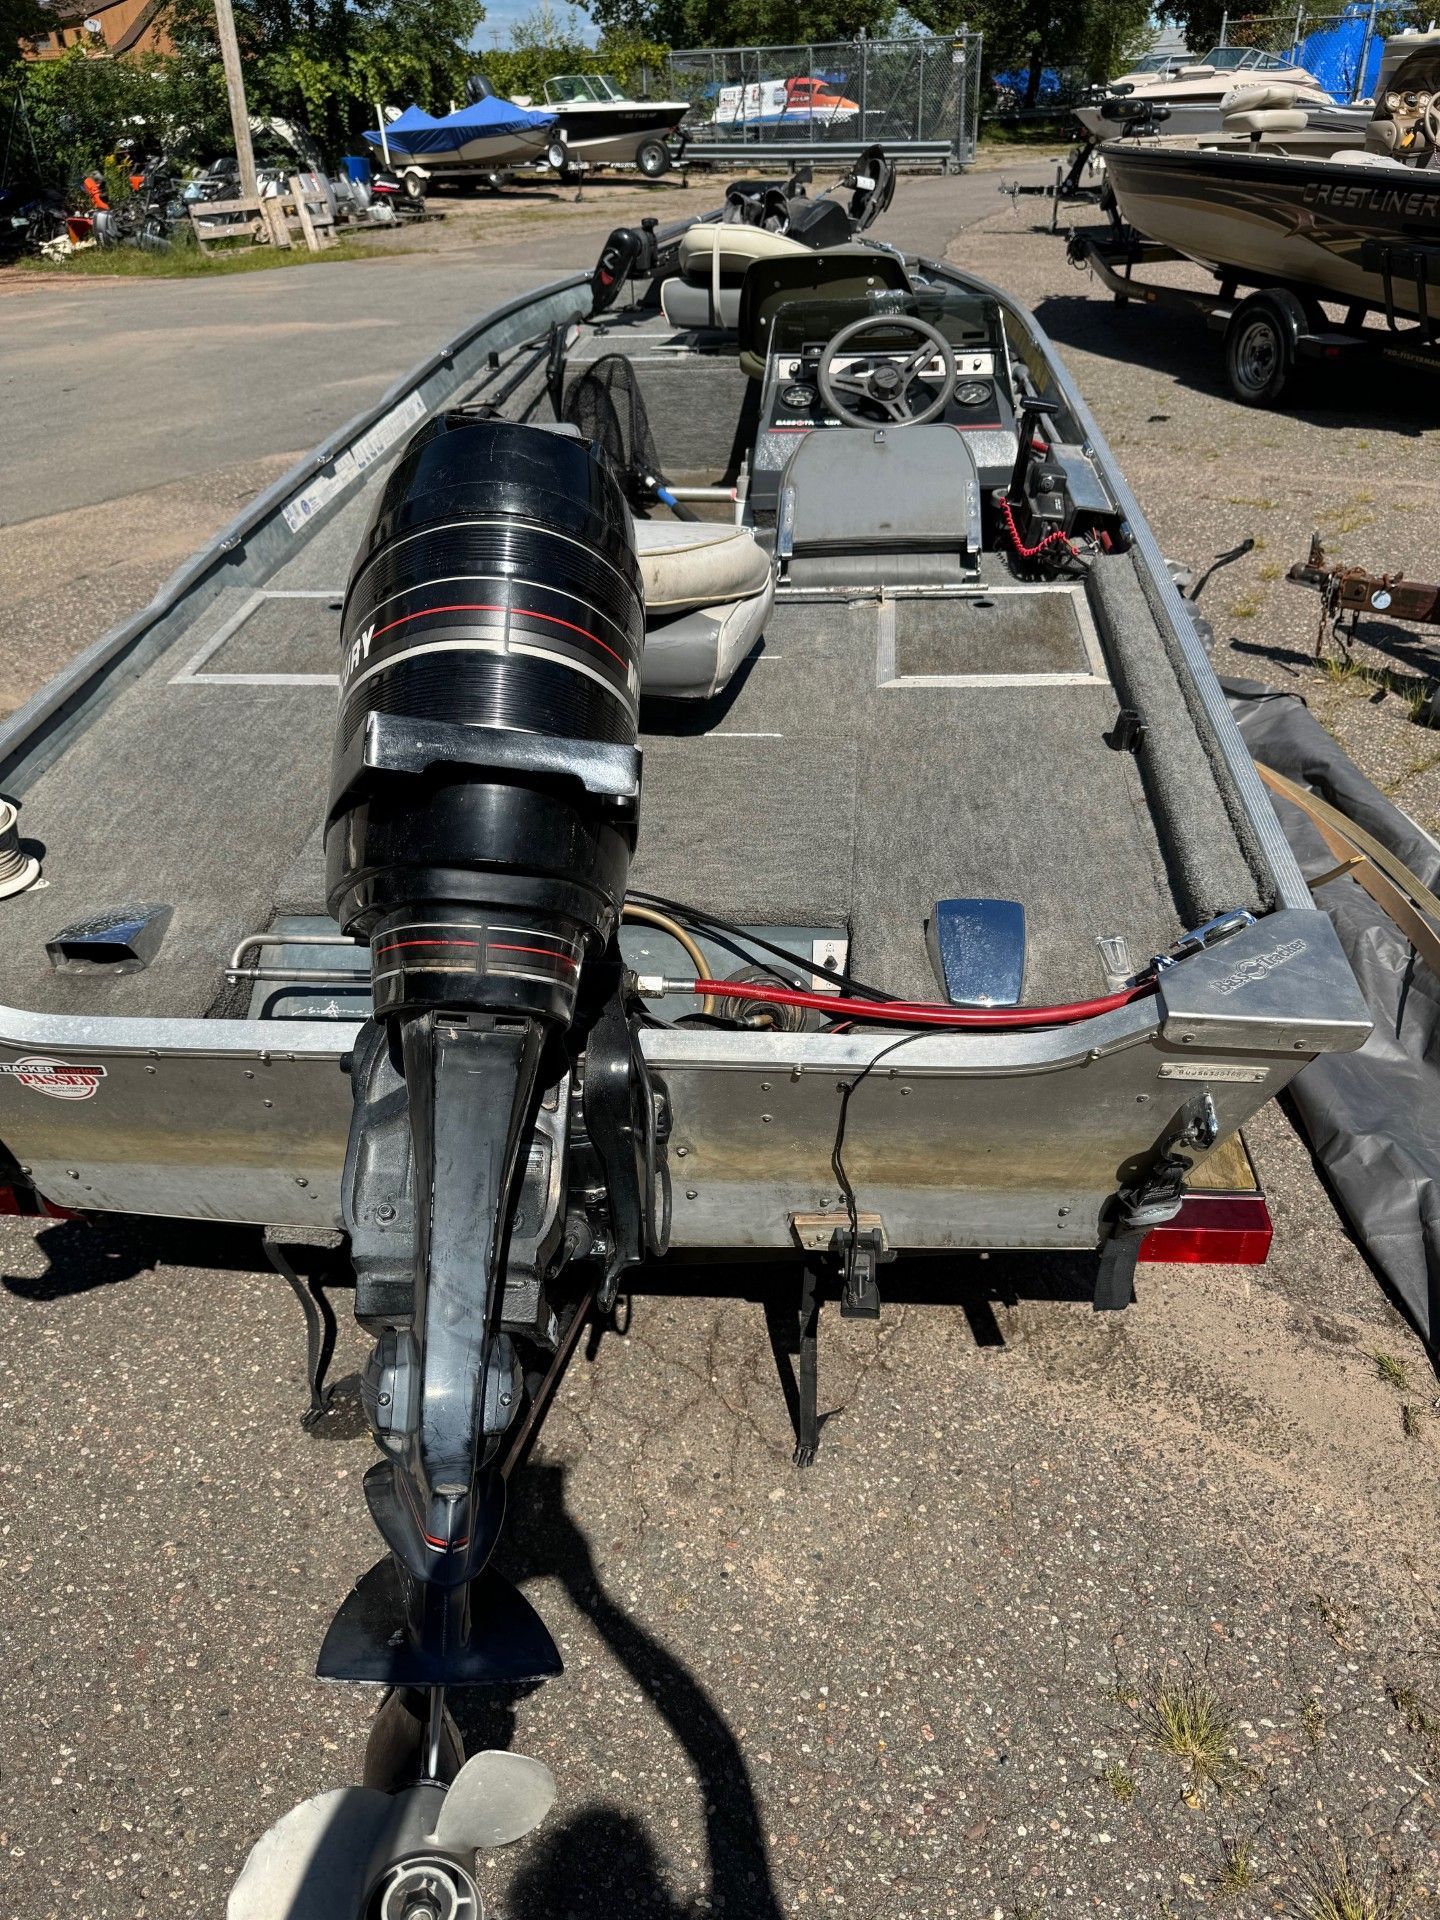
pixel 714 763
pixel 1272 200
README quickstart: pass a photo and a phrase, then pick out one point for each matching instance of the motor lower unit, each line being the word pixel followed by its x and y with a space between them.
pixel 482 819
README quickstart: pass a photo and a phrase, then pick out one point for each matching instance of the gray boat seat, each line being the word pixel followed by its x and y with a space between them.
pixel 1362 157
pixel 708 591
pixel 1258 99
pixel 714 259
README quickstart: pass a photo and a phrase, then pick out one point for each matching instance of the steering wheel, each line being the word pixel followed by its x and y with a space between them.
pixel 1430 121
pixel 886 380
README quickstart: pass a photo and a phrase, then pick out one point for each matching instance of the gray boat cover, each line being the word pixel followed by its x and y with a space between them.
pixel 1372 1118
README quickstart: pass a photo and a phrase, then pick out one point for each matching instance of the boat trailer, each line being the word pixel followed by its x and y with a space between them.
pixel 1270 330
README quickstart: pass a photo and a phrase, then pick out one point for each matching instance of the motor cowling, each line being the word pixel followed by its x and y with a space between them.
pixel 486 776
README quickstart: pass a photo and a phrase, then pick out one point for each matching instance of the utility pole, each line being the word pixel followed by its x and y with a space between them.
pixel 235 87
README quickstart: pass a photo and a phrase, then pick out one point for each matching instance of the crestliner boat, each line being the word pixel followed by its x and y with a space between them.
pixel 539 889
pixel 599 124
pixel 1273 203
pixel 1193 96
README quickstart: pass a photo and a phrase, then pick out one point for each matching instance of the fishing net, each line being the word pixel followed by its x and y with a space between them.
pixel 604 402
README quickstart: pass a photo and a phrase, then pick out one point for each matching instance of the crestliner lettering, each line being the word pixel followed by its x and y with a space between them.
pixel 1341 197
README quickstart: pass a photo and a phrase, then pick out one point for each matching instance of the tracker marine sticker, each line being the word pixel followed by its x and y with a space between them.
pixel 59 1079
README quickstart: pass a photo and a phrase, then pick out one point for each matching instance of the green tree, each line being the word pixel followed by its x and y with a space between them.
pixel 1098 36
pixel 77 107
pixel 19 20
pixel 1200 21
pixel 325 63
pixel 547 42
pixel 744 23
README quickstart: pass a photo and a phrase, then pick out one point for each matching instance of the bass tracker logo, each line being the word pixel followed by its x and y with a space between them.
pixel 59 1079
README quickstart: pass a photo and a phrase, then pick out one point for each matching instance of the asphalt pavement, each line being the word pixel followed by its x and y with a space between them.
pixel 1107 1615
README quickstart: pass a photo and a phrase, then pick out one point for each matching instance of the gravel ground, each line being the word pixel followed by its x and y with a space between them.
pixel 1128 1616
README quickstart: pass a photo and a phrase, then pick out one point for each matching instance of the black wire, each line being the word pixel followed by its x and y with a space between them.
pixel 714 921
pixel 837 1156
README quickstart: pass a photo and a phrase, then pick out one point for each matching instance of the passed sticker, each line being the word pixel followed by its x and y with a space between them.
pixel 58 1078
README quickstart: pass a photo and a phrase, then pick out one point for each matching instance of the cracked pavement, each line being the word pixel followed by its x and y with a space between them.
pixel 924 1680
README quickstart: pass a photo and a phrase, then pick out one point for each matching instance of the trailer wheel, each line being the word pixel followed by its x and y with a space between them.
pixel 1260 346
pixel 652 157
pixel 557 156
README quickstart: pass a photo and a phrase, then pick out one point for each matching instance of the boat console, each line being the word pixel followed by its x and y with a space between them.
pixel 885 360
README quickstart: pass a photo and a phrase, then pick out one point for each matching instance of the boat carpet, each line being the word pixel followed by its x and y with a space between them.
pixel 819 796
pixel 824 786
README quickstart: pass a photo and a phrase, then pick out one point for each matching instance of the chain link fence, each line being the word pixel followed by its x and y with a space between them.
pixel 1342 49
pixel 923 91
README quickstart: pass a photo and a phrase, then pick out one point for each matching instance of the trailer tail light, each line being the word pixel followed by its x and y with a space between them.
pixel 1219 1229
pixel 30 1205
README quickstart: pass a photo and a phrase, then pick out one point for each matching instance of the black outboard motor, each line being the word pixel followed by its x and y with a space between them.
pixel 483 814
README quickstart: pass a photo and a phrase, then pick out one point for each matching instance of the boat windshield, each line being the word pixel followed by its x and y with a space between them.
pixel 1233 59
pixel 566 88
pixel 1160 62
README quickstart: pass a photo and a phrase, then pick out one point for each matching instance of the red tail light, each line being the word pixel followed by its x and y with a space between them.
pixel 1220 1229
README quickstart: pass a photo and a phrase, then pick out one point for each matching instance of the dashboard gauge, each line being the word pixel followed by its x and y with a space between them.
pixel 972 393
pixel 797 396
pixel 1392 102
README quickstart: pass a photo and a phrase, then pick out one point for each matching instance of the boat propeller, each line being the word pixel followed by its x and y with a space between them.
pixel 358 1854
pixel 482 818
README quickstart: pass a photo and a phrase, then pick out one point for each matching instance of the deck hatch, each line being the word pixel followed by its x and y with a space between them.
pixel 275 637
pixel 1000 637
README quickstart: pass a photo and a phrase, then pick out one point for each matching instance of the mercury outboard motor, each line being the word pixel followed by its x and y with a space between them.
pixel 482 819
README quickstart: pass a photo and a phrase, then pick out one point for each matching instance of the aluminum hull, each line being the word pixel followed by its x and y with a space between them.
pixel 1276 218
pixel 985 1139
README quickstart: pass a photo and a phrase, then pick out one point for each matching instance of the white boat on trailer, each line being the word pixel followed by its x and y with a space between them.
pixel 949 912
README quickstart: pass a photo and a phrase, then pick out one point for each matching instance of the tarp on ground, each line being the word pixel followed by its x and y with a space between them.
pixel 417 134
pixel 1372 1118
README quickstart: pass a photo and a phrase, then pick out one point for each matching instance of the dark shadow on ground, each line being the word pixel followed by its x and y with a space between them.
pixel 1361 393
pixel 98 1249
pixel 598 1859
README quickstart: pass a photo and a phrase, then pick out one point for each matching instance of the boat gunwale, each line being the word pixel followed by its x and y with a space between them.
pixel 67 697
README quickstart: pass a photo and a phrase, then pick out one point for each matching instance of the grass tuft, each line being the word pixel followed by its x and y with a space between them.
pixel 1121 1782
pixel 1417 1715
pixel 1185 1718
pixel 1392 1371
pixel 1410 1421
pixel 1312 1719
pixel 189 263
pixel 1237 1867
pixel 1337 1889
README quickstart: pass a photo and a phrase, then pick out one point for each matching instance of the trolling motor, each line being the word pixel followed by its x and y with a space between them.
pixel 482 818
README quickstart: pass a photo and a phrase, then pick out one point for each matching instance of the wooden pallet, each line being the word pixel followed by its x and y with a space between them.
pixel 270 220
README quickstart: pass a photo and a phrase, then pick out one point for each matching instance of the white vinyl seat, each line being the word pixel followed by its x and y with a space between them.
pixel 733 246
pixel 714 259
pixel 1363 157
pixel 708 592
pixel 1266 120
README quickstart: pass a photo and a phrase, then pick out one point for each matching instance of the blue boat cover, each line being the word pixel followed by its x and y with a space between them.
pixel 416 132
